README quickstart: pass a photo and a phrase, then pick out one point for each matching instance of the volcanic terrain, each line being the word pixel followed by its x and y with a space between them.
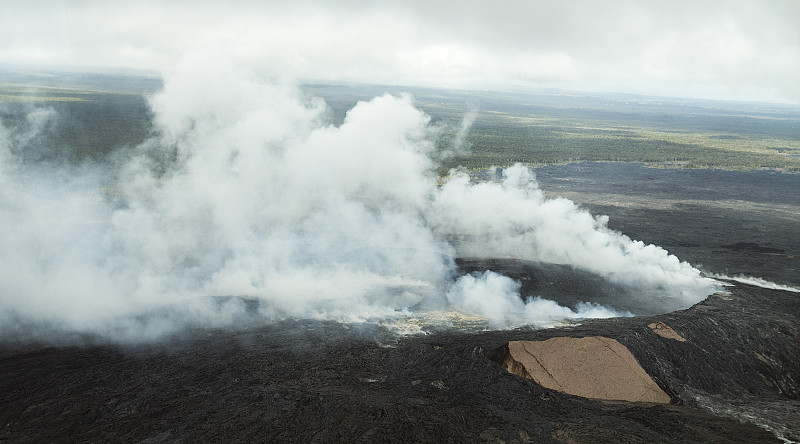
pixel 733 377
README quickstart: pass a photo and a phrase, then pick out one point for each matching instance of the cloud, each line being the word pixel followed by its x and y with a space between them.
pixel 513 219
pixel 741 49
pixel 497 298
pixel 247 193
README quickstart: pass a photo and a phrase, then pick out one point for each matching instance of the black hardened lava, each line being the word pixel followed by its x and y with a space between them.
pixel 304 381
pixel 735 379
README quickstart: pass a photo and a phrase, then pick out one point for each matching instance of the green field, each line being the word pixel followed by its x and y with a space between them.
pixel 553 127
pixel 98 114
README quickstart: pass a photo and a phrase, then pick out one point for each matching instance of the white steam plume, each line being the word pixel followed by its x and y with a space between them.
pixel 459 141
pixel 755 281
pixel 497 297
pixel 513 219
pixel 247 191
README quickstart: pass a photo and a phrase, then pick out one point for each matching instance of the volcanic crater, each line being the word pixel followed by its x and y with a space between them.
pixel 724 370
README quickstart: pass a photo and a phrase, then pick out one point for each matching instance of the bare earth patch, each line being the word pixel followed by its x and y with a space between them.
pixel 665 331
pixel 594 367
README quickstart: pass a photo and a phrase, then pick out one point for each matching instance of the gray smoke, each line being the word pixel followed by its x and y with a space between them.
pixel 246 191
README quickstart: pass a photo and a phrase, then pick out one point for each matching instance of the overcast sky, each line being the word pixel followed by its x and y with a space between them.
pixel 744 50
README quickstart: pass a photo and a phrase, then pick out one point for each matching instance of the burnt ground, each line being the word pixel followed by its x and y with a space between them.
pixel 310 381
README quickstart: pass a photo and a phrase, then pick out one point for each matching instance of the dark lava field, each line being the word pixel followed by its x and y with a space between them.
pixel 735 379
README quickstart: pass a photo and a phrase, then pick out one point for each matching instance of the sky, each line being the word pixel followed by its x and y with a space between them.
pixel 722 49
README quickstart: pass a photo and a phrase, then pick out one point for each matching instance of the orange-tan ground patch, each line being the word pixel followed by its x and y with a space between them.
pixel 665 331
pixel 594 367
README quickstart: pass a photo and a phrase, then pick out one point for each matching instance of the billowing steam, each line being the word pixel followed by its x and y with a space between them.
pixel 497 297
pixel 755 281
pixel 246 191
pixel 460 144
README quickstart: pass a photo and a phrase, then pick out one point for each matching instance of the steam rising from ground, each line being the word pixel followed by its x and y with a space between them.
pixel 247 191
pixel 756 281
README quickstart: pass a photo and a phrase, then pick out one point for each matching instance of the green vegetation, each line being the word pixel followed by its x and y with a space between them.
pixel 97 114
pixel 502 139
pixel 550 127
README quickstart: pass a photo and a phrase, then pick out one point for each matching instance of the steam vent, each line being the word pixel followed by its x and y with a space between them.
pixel 594 367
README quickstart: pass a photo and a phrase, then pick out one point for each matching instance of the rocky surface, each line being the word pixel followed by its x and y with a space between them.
pixel 665 331
pixel 595 367
pixel 733 379
pixel 304 381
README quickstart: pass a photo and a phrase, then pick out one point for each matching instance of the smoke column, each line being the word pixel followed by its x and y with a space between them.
pixel 246 190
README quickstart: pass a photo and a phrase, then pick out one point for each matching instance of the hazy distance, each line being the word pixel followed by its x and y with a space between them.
pixel 739 50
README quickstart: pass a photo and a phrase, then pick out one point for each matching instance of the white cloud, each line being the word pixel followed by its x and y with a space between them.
pixel 750 49
pixel 256 195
